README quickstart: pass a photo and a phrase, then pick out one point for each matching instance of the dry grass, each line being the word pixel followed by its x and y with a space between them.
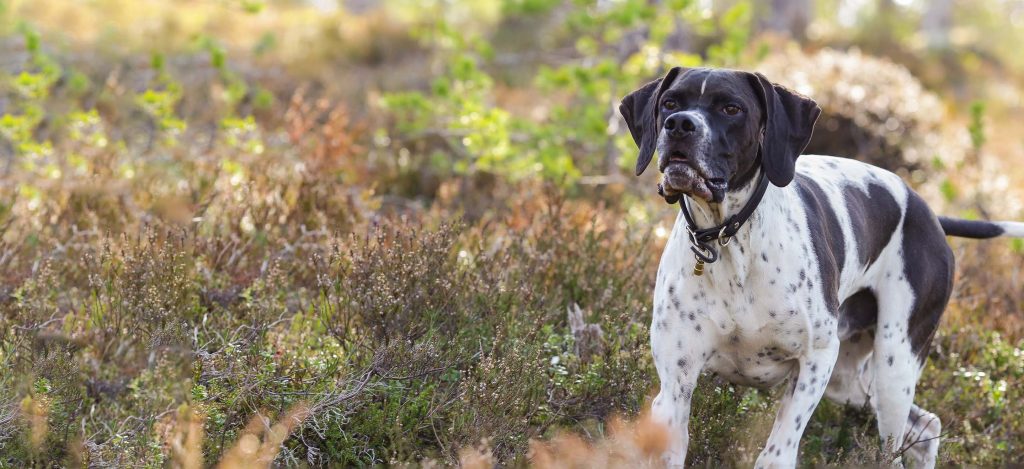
pixel 637 444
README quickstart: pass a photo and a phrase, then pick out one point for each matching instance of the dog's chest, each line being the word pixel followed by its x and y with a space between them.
pixel 753 316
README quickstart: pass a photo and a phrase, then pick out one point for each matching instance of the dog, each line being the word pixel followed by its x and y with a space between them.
pixel 825 271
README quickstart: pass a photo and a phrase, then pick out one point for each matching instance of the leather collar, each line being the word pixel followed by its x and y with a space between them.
pixel 702 239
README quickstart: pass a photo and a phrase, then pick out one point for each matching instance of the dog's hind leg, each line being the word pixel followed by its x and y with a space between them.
pixel 894 365
pixel 911 301
pixel 851 384
pixel 851 380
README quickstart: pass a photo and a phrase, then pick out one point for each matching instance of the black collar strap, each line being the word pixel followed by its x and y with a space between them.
pixel 702 240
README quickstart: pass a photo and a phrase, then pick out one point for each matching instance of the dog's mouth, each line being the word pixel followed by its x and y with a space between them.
pixel 676 157
pixel 681 176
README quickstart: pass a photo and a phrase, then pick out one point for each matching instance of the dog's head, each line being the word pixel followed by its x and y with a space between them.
pixel 707 126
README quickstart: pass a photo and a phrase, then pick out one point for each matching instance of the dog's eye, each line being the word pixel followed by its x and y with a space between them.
pixel 731 109
pixel 670 104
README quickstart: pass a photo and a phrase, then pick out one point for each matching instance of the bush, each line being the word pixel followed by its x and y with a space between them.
pixel 872 110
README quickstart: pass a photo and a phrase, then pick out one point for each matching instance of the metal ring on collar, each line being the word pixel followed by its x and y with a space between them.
pixel 705 253
pixel 723 240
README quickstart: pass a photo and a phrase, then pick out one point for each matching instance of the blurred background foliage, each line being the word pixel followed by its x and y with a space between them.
pixel 387 213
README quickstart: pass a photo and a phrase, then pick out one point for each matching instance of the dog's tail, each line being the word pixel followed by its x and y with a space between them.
pixel 979 229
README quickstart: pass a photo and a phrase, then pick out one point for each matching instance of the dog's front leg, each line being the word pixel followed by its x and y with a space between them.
pixel 679 362
pixel 805 390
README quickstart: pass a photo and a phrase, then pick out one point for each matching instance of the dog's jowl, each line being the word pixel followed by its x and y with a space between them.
pixel 826 272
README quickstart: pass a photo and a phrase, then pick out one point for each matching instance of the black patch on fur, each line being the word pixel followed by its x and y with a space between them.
pixel 826 237
pixel 875 215
pixel 928 267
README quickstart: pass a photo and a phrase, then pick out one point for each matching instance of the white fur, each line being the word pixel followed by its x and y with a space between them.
pixel 757 317
pixel 1012 229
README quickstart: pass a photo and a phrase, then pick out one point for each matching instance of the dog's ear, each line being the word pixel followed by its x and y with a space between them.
pixel 640 111
pixel 787 122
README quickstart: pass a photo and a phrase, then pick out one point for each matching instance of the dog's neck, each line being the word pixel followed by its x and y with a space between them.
pixel 757 235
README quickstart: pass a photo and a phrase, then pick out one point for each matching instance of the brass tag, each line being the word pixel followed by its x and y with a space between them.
pixel 698 268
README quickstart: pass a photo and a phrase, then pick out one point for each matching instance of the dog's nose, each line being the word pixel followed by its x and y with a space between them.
pixel 680 124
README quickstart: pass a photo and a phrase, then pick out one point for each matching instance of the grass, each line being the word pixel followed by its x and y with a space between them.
pixel 409 338
pixel 200 265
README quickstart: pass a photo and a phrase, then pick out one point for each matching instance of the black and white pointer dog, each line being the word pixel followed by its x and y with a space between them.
pixel 823 270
